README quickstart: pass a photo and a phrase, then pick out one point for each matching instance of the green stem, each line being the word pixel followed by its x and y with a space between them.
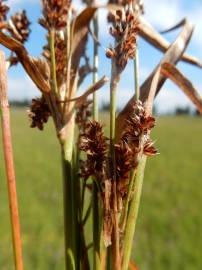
pixel 96 200
pixel 115 77
pixel 133 214
pixel 70 214
pixel 130 189
pixel 95 67
pixel 136 75
pixel 54 85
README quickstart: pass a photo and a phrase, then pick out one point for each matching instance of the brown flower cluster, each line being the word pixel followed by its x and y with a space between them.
pixel 94 144
pixel 83 112
pixel 60 55
pixel 135 140
pixel 137 5
pixel 3 14
pixel 55 14
pixel 124 31
pixel 19 26
pixel 39 113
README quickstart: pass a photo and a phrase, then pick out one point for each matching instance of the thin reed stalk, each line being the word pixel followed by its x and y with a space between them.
pixel 96 199
pixel 133 214
pixel 10 171
pixel 115 77
pixel 54 85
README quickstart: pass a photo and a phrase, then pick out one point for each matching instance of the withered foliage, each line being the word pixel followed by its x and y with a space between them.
pixel 19 26
pixel 3 13
pixel 95 145
pixel 55 14
pixel 39 113
pixel 124 30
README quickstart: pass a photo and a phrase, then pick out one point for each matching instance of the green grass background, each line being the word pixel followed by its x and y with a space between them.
pixel 169 231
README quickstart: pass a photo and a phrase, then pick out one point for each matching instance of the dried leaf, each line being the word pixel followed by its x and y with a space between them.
pixel 176 26
pixel 157 40
pixel 173 55
pixel 28 62
pixel 79 35
pixel 171 72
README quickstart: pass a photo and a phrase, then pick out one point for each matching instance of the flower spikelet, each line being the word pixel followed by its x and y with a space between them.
pixel 83 112
pixel 39 113
pixel 55 14
pixel 94 144
pixel 19 26
pixel 3 14
pixel 124 31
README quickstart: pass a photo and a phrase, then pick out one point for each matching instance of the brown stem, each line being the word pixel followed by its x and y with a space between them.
pixel 10 171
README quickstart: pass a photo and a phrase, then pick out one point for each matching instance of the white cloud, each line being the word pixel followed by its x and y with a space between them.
pixel 21 88
pixel 164 13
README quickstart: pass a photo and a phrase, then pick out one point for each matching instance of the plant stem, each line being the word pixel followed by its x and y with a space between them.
pixel 115 77
pixel 95 67
pixel 136 75
pixel 96 200
pixel 54 86
pixel 133 213
pixel 10 171
pixel 132 177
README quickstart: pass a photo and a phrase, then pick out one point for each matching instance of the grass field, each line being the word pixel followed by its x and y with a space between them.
pixel 169 233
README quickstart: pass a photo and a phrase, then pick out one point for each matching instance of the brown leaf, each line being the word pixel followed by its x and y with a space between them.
pixel 173 55
pixel 28 62
pixel 79 35
pixel 171 72
pixel 159 42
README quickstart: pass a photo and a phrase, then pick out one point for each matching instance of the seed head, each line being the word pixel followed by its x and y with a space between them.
pixel 39 113
pixel 55 14
pixel 19 26
pixel 124 30
pixel 3 14
pixel 94 144
pixel 83 113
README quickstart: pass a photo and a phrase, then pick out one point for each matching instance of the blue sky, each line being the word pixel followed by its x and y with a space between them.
pixel 160 13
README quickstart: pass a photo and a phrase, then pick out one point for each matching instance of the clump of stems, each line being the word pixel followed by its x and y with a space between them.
pixel 109 168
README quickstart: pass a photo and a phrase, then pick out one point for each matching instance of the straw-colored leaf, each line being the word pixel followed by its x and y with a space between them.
pixel 171 72
pixel 79 35
pixel 159 42
pixel 173 55
pixel 28 62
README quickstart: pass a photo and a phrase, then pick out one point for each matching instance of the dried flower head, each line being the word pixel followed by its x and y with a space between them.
pixel 124 156
pixel 3 14
pixel 138 6
pixel 61 57
pixel 39 113
pixel 124 31
pixel 94 144
pixel 83 112
pixel 134 141
pixel 19 26
pixel 55 14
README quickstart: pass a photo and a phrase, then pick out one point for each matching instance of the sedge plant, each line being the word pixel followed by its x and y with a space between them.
pixel 102 176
